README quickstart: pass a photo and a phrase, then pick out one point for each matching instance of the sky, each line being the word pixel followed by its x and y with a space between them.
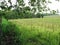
pixel 53 6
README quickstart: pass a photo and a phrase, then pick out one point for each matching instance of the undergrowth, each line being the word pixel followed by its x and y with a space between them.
pixel 10 34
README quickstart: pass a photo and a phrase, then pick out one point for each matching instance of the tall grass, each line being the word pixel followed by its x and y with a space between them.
pixel 38 31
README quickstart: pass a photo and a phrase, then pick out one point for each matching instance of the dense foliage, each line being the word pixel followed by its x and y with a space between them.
pixel 21 10
pixel 15 15
pixel 9 34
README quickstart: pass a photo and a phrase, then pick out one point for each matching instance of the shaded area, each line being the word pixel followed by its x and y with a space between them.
pixel 10 34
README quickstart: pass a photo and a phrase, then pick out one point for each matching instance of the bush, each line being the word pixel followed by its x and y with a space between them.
pixel 11 15
pixel 21 14
pixel 38 15
pixel 9 34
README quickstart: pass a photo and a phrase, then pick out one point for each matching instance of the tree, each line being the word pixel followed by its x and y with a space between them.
pixel 38 4
pixel 53 12
pixel 5 8
pixel 4 5
pixel 57 11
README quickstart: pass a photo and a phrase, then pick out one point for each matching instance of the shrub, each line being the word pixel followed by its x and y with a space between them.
pixel 38 15
pixel 9 34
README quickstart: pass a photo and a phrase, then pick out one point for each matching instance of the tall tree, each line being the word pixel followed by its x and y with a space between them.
pixel 4 5
pixel 40 5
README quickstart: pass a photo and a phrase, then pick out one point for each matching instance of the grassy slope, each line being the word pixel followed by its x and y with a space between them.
pixel 38 31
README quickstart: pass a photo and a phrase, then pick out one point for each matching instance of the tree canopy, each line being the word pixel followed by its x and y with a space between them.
pixel 21 10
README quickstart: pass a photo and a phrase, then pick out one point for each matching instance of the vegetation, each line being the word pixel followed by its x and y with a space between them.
pixel 10 34
pixel 26 25
pixel 22 11
pixel 38 31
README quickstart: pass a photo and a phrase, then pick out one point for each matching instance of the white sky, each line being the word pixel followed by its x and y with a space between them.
pixel 53 6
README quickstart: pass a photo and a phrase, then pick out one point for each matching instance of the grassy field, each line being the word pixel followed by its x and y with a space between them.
pixel 39 31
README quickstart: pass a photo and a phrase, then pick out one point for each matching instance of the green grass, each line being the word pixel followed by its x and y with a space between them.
pixel 39 31
pixel 10 34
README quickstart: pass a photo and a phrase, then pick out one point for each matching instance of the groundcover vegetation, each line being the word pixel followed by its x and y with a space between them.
pixel 9 34
pixel 15 32
pixel 38 31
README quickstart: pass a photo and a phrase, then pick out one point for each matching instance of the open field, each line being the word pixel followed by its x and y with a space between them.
pixel 39 31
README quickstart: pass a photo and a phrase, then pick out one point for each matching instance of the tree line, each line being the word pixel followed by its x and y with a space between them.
pixel 20 10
